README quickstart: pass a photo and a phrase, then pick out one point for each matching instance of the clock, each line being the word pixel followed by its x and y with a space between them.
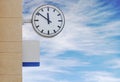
pixel 48 20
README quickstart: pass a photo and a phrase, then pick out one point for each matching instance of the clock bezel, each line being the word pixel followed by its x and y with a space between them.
pixel 37 30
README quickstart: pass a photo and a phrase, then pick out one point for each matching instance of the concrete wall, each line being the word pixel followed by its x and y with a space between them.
pixel 10 40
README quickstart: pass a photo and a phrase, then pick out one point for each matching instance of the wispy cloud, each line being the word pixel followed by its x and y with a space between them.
pixel 114 63
pixel 78 33
pixel 100 76
pixel 50 67
pixel 90 29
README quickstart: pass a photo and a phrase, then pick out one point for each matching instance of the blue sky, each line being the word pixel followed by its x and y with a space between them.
pixel 88 48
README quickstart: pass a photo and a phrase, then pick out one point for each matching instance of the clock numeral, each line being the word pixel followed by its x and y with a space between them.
pixel 58 26
pixel 37 26
pixel 47 8
pixel 54 10
pixel 59 20
pixel 48 32
pixel 59 14
pixel 41 31
pixel 36 20
pixel 54 31
pixel 38 13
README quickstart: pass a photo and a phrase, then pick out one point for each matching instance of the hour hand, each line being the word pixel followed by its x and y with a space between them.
pixel 43 17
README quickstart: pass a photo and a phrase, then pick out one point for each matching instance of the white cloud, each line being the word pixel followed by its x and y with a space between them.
pixel 114 63
pixel 76 35
pixel 54 64
pixel 50 66
pixel 100 76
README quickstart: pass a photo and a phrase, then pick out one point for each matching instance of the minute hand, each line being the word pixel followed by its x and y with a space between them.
pixel 48 18
pixel 44 17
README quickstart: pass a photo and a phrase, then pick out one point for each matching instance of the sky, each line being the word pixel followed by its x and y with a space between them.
pixel 88 48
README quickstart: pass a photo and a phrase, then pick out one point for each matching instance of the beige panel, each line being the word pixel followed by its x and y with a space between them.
pixel 10 29
pixel 10 47
pixel 10 40
pixel 10 78
pixel 10 8
pixel 10 63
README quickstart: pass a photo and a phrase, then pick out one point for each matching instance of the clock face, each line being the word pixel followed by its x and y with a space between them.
pixel 48 21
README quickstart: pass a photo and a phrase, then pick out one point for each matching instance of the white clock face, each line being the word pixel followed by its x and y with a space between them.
pixel 48 21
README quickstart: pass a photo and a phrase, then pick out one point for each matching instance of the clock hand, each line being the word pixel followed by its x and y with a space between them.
pixel 48 18
pixel 44 17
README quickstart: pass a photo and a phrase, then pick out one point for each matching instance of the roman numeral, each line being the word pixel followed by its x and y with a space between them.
pixel 58 26
pixel 59 20
pixel 37 26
